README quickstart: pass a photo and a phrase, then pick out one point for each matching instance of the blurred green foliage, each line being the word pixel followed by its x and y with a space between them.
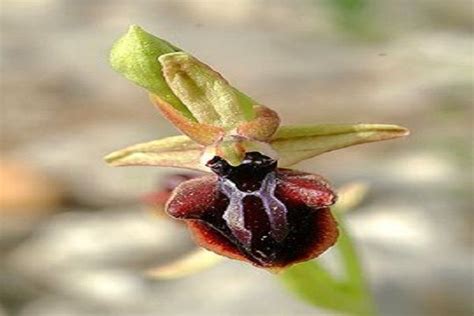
pixel 355 18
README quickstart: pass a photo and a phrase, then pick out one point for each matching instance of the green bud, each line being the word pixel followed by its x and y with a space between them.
pixel 135 56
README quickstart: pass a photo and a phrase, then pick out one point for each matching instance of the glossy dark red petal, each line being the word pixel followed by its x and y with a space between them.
pixel 301 187
pixel 315 237
pixel 310 228
pixel 194 197
pixel 209 238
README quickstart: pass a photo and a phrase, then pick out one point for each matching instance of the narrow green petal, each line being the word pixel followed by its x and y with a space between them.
pixel 135 56
pixel 175 151
pixel 296 143
pixel 206 94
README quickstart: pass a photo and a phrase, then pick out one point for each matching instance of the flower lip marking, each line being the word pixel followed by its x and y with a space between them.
pixel 254 177
pixel 254 226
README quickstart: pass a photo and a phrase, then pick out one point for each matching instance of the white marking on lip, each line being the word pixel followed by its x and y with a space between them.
pixel 234 214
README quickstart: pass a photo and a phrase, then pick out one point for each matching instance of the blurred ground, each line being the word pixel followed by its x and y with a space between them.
pixel 74 237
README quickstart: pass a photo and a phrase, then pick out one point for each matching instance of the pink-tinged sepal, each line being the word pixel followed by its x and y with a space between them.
pixel 262 127
pixel 201 133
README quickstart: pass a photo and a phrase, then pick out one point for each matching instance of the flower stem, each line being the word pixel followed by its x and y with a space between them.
pixel 314 284
pixel 355 281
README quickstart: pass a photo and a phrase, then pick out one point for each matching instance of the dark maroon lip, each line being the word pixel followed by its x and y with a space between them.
pixel 256 212
pixel 253 183
pixel 247 176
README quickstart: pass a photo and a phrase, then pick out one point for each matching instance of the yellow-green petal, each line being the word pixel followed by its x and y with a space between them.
pixel 175 151
pixel 296 143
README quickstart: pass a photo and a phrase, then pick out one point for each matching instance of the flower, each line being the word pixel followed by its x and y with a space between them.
pixel 248 209
pixel 257 213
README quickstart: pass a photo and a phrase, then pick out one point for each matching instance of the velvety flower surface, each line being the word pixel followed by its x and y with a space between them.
pixel 258 213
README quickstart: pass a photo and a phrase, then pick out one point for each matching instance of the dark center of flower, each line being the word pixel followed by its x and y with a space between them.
pixel 247 176
pixel 253 180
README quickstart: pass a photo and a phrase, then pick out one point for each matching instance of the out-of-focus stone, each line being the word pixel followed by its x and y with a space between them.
pixel 25 190
pixel 111 238
pixel 13 229
pixel 52 306
pixel 172 298
pixel 75 158
pixel 99 258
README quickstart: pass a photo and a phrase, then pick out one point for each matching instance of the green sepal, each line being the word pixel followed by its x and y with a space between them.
pixel 205 93
pixel 176 151
pixel 135 56
pixel 296 143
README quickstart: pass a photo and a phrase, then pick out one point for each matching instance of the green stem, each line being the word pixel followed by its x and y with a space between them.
pixel 314 284
pixel 354 273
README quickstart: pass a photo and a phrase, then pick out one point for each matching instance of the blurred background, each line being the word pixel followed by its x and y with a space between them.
pixel 74 233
